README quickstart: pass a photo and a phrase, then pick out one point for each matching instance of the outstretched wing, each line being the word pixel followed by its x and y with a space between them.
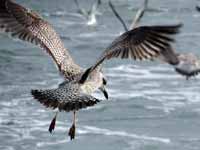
pixel 27 25
pixel 139 15
pixel 117 15
pixel 145 42
pixel 55 98
pixel 141 43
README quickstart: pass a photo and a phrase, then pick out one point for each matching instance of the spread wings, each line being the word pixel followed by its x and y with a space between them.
pixel 27 25
pixel 145 42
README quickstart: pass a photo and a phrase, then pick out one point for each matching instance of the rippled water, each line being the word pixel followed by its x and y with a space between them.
pixel 150 106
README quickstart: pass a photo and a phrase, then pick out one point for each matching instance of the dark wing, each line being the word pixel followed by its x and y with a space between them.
pixel 141 43
pixel 169 56
pixel 198 8
pixel 187 73
pixel 117 15
pixel 57 98
pixel 26 25
pixel 145 42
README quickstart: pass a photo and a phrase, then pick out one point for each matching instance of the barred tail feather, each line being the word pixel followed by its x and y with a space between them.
pixel 43 96
pixel 50 99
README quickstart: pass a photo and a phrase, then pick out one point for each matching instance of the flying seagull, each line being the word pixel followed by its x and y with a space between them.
pixel 145 42
pixel 186 64
pixel 27 25
pixel 90 15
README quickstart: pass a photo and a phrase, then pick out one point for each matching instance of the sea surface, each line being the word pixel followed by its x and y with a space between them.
pixel 150 107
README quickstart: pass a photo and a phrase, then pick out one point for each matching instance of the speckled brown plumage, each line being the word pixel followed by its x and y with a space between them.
pixel 28 26
pixel 66 98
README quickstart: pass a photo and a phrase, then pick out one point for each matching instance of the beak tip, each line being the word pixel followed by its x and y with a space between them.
pixel 106 95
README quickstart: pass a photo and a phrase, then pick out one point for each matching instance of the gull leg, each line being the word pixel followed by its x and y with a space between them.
pixel 53 123
pixel 72 129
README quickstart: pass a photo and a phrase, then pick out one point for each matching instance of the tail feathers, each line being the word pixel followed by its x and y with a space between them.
pixel 45 98
pixel 53 99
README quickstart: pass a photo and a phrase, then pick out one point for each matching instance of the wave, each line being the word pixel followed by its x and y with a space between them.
pixel 56 142
pixel 107 132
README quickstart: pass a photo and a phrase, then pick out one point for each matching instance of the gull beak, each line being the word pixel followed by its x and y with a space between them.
pixel 105 93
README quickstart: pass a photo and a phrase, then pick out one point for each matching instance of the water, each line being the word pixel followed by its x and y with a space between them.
pixel 150 106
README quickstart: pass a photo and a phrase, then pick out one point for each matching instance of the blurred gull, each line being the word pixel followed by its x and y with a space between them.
pixel 90 15
pixel 186 64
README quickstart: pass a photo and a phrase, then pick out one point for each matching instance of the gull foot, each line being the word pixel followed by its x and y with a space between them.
pixel 72 131
pixel 52 125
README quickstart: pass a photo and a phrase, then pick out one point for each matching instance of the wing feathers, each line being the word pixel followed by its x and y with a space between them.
pixel 145 42
pixel 26 25
pixel 154 38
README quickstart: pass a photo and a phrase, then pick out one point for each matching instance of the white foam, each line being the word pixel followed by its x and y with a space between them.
pixel 42 144
pixel 95 130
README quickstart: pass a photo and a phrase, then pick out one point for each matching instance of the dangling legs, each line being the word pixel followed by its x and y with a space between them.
pixel 72 129
pixel 53 123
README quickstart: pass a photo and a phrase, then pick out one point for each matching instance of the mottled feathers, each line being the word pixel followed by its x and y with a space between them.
pixel 27 25
pixel 64 98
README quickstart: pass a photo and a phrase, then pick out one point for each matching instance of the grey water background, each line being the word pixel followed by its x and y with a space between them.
pixel 150 106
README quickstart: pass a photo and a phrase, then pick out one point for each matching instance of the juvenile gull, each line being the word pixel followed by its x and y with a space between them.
pixel 27 25
pixel 145 42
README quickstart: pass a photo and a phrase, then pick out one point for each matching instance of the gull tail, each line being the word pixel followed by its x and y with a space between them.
pixel 59 98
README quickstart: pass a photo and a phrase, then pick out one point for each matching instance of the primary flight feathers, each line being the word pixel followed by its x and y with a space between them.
pixel 145 42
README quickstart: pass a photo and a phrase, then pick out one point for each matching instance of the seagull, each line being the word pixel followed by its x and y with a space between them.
pixel 91 14
pixel 27 25
pixel 186 64
pixel 141 43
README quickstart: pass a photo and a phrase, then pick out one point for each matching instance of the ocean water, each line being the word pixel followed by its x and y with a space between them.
pixel 150 106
